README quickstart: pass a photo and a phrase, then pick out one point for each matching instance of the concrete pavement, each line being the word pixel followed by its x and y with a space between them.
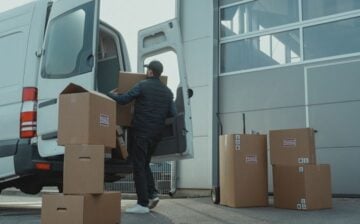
pixel 26 210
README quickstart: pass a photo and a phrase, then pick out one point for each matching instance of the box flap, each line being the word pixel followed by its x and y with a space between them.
pixel 73 88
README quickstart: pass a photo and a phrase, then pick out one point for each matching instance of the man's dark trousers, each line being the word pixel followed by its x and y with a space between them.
pixel 141 150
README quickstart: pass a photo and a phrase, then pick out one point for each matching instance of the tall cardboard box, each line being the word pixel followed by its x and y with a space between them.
pixel 83 169
pixel 243 170
pixel 292 146
pixel 81 209
pixel 302 187
pixel 126 82
pixel 86 117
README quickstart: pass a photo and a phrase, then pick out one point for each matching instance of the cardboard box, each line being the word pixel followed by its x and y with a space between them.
pixel 243 170
pixel 86 117
pixel 292 147
pixel 121 144
pixel 83 169
pixel 81 209
pixel 302 187
pixel 126 82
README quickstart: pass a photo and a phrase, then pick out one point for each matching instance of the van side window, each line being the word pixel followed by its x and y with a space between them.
pixel 68 46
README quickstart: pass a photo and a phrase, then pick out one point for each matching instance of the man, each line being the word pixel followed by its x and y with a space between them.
pixel 153 104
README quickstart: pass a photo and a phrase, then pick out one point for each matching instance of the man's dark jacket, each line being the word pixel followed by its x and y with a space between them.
pixel 153 104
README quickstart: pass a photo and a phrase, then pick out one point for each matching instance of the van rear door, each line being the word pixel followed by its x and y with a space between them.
pixel 177 140
pixel 68 55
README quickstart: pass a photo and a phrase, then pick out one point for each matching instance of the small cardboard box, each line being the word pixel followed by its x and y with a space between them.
pixel 121 144
pixel 86 117
pixel 83 169
pixel 302 187
pixel 292 146
pixel 126 82
pixel 81 209
pixel 243 170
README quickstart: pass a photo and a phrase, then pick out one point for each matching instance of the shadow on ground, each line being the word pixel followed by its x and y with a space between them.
pixel 11 215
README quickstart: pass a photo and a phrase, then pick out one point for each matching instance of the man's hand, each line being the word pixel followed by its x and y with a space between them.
pixel 113 91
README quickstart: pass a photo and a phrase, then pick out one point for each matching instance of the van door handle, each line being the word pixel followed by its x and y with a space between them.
pixel 49 136
pixel 39 53
pixel 190 93
pixel 90 60
pixel 48 103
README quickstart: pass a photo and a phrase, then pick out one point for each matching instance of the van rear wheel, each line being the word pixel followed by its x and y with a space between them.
pixel 31 189
pixel 215 195
pixel 60 188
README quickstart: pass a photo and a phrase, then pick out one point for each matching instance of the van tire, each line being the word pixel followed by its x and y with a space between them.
pixel 60 188
pixel 31 189
pixel 215 195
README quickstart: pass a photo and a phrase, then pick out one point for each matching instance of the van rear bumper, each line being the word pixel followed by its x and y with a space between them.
pixel 27 158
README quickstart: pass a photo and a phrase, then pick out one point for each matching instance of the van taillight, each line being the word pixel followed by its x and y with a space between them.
pixel 29 94
pixel 28 113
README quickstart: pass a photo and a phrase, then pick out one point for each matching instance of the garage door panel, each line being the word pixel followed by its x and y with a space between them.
pixel 344 164
pixel 334 83
pixel 283 87
pixel 338 124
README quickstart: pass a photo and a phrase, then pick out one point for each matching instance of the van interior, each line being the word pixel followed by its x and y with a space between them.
pixel 108 65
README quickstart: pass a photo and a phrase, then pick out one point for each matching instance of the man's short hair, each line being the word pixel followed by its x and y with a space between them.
pixel 156 67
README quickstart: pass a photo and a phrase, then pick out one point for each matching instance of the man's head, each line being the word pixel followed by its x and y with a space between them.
pixel 154 68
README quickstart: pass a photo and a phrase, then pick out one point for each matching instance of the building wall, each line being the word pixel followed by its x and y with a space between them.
pixel 259 77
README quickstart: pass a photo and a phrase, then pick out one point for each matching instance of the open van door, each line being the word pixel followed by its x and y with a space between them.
pixel 68 55
pixel 177 136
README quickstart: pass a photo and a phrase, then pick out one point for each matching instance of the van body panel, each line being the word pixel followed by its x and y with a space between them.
pixel 35 42
pixel 16 27
pixel 70 27
pixel 7 166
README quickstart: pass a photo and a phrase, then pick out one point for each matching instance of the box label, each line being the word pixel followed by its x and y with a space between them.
pixel 251 159
pixel 104 120
pixel 301 169
pixel 303 206
pixel 303 160
pixel 289 142
pixel 237 142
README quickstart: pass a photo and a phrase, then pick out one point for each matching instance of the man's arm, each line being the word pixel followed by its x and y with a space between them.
pixel 172 110
pixel 127 97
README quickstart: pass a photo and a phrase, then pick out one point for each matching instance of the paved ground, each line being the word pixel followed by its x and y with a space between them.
pixel 26 210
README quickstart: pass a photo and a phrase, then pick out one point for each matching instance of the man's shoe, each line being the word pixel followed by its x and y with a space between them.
pixel 138 209
pixel 153 202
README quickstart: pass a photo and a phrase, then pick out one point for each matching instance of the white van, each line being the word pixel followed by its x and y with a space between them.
pixel 44 46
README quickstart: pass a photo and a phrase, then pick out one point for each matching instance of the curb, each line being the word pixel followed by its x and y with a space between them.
pixel 17 192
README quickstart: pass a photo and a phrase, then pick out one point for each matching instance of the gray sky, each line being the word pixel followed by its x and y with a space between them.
pixel 128 17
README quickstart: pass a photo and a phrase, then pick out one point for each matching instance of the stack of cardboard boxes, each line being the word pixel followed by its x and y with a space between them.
pixel 87 129
pixel 299 183
pixel 243 170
